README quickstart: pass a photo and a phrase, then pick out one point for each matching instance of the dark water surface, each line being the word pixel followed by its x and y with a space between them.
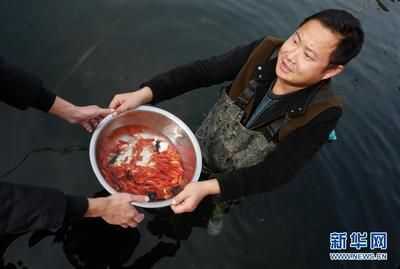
pixel 86 51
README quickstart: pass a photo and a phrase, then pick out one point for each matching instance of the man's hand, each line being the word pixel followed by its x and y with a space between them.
pixel 124 101
pixel 116 209
pixel 190 197
pixel 88 116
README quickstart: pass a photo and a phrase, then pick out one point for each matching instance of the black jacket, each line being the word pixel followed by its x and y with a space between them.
pixel 22 207
pixel 280 165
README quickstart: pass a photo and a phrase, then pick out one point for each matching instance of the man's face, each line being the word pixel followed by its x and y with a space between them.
pixel 303 59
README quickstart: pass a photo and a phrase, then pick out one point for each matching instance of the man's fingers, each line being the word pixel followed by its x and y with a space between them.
pixel 179 198
pixel 178 209
pixel 115 102
pixel 133 224
pixel 94 122
pixel 103 112
pixel 138 218
pixel 91 124
pixel 118 106
pixel 99 118
pixel 175 208
pixel 87 126
pixel 122 108
pixel 139 198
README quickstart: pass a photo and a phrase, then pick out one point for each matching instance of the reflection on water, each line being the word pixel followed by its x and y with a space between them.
pixel 66 150
pixel 380 4
pixel 92 243
pixel 88 243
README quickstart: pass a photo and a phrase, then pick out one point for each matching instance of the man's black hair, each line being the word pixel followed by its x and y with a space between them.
pixel 347 27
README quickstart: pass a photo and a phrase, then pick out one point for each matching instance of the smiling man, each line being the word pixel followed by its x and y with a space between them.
pixel 274 116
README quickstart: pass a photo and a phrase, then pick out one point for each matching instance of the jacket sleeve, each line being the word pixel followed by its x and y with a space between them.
pixel 200 73
pixel 282 164
pixel 23 90
pixel 26 208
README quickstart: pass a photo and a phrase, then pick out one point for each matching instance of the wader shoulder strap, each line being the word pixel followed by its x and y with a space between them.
pixel 243 99
pixel 314 109
pixel 322 100
pixel 260 54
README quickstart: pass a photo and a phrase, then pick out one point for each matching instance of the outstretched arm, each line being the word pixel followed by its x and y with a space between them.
pixel 22 90
pixel 197 74
pixel 279 167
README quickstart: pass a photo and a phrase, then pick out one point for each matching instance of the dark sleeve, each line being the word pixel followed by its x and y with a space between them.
pixel 22 90
pixel 200 73
pixel 26 208
pixel 76 206
pixel 283 163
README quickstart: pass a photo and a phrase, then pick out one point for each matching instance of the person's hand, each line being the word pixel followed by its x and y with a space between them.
pixel 124 101
pixel 190 197
pixel 88 116
pixel 116 209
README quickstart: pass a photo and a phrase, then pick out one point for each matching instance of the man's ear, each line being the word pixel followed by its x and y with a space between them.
pixel 333 71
